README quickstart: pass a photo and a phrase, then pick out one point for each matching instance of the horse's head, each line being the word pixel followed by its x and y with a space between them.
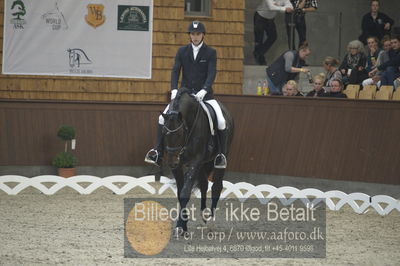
pixel 174 131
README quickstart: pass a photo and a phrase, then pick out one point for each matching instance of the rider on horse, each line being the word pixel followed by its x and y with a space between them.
pixel 198 63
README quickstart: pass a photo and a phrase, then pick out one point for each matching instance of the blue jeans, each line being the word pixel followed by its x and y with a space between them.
pixel 389 75
pixel 273 89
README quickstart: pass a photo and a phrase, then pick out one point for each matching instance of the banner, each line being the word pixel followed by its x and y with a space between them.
pixel 96 38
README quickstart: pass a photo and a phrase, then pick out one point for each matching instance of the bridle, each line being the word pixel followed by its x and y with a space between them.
pixel 183 126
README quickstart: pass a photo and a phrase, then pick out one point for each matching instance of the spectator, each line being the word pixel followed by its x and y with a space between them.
pixel 372 54
pixel 332 71
pixel 291 89
pixel 353 64
pixel 396 84
pixel 384 55
pixel 296 20
pixel 318 84
pixel 336 90
pixel 286 67
pixel 375 23
pixel 264 23
pixel 390 69
pixel 382 58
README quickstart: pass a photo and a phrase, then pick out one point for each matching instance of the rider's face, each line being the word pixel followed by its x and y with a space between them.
pixel 196 37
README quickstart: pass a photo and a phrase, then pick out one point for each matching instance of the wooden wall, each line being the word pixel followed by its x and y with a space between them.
pixel 225 30
pixel 338 139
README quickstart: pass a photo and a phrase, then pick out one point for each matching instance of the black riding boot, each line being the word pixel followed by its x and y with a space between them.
pixel 154 156
pixel 220 160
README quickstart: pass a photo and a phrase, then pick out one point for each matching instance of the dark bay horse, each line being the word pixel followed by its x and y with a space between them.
pixel 191 150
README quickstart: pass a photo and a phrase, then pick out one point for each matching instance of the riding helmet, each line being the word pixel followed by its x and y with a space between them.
pixel 196 26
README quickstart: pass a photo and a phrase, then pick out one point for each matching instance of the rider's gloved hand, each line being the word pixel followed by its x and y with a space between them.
pixel 200 95
pixel 173 94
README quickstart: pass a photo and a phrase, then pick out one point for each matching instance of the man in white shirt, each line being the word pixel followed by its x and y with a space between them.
pixel 264 23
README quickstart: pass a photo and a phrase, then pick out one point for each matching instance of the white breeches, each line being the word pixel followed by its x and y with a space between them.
pixel 220 117
pixel 218 112
pixel 369 81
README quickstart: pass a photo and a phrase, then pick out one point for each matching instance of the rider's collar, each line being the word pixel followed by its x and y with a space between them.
pixel 196 48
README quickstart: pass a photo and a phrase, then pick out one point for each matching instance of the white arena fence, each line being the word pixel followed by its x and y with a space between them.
pixel 334 199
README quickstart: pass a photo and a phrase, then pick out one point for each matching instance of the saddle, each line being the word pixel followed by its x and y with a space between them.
pixel 212 117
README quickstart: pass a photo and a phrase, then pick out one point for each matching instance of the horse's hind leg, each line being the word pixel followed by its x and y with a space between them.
pixel 203 183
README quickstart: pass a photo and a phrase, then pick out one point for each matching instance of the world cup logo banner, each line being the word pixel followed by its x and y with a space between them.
pixel 95 16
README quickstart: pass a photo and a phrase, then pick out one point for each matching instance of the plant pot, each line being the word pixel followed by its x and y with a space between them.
pixel 66 172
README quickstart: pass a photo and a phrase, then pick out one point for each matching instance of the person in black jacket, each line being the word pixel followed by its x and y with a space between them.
pixel 335 90
pixel 318 84
pixel 375 23
pixel 197 62
pixel 286 67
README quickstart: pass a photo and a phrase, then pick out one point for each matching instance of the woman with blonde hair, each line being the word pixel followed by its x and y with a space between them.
pixel 291 89
pixel 353 64
pixel 318 84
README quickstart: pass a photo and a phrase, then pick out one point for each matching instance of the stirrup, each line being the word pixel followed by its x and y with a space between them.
pixel 222 164
pixel 150 159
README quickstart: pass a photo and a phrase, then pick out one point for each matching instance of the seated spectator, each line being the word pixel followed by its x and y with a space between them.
pixel 336 90
pixel 382 58
pixel 353 64
pixel 396 84
pixel 291 89
pixel 384 55
pixel 332 71
pixel 372 53
pixel 318 84
pixel 375 23
pixel 390 69
pixel 374 80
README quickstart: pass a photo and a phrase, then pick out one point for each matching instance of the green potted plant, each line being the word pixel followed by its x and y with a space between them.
pixel 65 161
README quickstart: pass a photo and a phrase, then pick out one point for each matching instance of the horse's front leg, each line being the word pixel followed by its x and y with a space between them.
pixel 184 197
pixel 178 175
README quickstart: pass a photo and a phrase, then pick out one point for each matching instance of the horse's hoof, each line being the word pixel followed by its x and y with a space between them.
pixel 178 232
pixel 206 216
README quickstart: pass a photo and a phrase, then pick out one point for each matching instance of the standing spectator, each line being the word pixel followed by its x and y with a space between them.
pixel 296 20
pixel 332 71
pixel 286 67
pixel 336 90
pixel 375 23
pixel 353 64
pixel 318 84
pixel 390 69
pixel 264 23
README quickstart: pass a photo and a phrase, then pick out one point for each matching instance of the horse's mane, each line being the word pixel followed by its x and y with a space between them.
pixel 179 94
